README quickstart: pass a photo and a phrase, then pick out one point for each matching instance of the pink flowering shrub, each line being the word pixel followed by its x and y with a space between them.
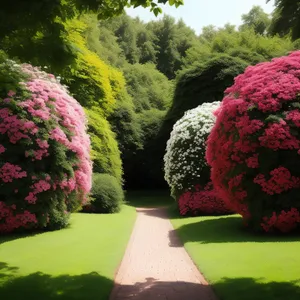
pixel 45 166
pixel 254 147
pixel 202 200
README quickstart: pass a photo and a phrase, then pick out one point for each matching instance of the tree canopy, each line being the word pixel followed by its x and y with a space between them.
pixel 30 27
pixel 286 18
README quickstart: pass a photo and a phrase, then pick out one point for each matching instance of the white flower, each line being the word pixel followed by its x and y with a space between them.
pixel 185 152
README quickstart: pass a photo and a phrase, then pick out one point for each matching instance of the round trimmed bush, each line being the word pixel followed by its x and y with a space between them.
pixel 254 147
pixel 45 166
pixel 107 195
pixel 186 170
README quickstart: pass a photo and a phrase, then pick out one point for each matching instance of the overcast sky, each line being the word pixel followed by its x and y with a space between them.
pixel 199 13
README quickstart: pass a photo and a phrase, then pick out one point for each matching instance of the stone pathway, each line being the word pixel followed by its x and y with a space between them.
pixel 156 266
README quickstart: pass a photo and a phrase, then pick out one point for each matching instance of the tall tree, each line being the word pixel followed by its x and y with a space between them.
pixel 286 18
pixel 173 40
pixel 257 19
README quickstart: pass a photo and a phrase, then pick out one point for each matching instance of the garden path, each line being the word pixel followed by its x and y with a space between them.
pixel 156 265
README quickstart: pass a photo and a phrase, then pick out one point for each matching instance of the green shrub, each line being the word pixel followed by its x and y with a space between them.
pixel 105 152
pixel 107 195
pixel 148 87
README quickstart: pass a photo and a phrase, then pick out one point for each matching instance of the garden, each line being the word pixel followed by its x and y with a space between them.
pixel 101 114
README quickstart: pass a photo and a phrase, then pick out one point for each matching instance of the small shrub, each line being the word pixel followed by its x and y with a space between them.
pixel 254 146
pixel 186 170
pixel 106 195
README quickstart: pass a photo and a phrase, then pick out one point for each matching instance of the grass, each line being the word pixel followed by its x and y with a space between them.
pixel 77 263
pixel 239 264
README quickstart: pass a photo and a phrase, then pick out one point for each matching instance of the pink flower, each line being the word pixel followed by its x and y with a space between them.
pixel 11 93
pixel 2 149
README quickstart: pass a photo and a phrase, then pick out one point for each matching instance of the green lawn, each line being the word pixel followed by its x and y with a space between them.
pixel 241 265
pixel 77 263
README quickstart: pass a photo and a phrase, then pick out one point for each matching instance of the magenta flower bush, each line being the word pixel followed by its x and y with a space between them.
pixel 254 147
pixel 45 166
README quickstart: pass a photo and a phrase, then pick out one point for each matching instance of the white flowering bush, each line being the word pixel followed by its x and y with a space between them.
pixel 186 169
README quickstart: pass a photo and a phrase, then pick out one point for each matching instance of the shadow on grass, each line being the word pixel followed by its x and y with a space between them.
pixel 39 286
pixel 92 286
pixel 148 199
pixel 251 289
pixel 227 229
pixel 11 237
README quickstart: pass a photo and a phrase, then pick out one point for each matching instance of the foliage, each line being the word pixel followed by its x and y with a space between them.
pixel 105 152
pixel 254 147
pixel 106 195
pixel 173 40
pixel 124 122
pixel 186 170
pixel 93 83
pixel 228 40
pixel 163 42
pixel 102 40
pixel 37 26
pixel 149 88
pixel 204 82
pixel 257 19
pixel 45 164
pixel 286 18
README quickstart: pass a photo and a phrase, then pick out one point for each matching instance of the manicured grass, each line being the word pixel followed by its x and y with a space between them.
pixel 147 199
pixel 77 263
pixel 241 265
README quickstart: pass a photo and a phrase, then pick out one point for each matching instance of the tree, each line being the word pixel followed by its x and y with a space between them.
pixel 173 40
pixel 257 19
pixel 37 26
pixel 245 44
pixel 286 18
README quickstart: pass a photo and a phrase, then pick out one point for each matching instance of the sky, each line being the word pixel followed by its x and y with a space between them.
pixel 199 13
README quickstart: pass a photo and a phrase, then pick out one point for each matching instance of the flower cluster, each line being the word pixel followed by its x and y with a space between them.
pixel 45 166
pixel 185 163
pixel 254 147
pixel 202 201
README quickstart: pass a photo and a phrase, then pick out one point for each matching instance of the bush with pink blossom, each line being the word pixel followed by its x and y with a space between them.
pixel 254 147
pixel 45 166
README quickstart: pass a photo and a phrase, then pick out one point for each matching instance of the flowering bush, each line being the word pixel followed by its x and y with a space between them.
pixel 45 167
pixel 186 170
pixel 254 147
pixel 202 200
